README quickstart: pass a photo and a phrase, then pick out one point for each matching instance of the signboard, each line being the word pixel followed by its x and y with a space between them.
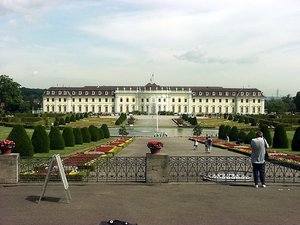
pixel 56 158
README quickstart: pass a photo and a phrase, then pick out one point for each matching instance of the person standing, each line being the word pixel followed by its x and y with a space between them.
pixel 195 144
pixel 259 147
pixel 208 144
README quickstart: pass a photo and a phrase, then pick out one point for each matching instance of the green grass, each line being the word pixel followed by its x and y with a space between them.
pixel 97 121
pixel 216 122
pixel 290 135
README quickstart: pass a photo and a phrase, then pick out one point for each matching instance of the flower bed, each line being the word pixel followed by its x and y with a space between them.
pixel 289 160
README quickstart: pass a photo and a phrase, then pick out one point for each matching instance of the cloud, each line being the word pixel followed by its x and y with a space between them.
pixel 198 56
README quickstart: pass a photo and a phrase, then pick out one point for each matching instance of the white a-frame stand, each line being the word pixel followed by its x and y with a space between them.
pixel 56 158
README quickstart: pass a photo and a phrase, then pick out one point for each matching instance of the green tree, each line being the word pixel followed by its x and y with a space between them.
pixel 100 133
pixel 23 143
pixel 197 131
pixel 94 133
pixel 222 132
pixel 233 135
pixel 296 140
pixel 289 102
pixel 297 101
pixel 10 94
pixel 280 139
pixel 86 136
pixel 105 129
pixel 77 136
pixel 267 134
pixel 242 136
pixel 68 137
pixel 250 136
pixel 57 141
pixel 40 140
pixel 276 105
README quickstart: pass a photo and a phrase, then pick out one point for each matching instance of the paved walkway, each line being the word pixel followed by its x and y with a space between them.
pixel 160 204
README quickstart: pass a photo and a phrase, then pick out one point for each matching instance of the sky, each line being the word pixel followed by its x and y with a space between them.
pixel 227 43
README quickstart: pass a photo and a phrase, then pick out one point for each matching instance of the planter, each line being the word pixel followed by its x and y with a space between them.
pixel 154 146
pixel 6 151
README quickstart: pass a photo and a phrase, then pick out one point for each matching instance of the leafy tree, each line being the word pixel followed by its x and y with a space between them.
pixel 276 105
pixel 280 139
pixel 197 130
pixel 233 133
pixel 105 129
pixel 77 136
pixel 40 140
pixel 267 135
pixel 94 133
pixel 23 143
pixel 10 94
pixel 68 137
pixel 86 136
pixel 33 97
pixel 297 101
pixel 57 141
pixel 289 102
pixel 296 140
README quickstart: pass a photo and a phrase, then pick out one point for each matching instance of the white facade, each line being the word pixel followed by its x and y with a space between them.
pixel 152 98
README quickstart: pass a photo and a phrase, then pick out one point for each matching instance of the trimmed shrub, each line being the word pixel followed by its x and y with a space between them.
pixel 230 117
pixel 94 133
pixel 23 144
pixel 222 132
pixel 280 139
pixel 105 130
pixel 57 141
pixel 86 136
pixel 233 135
pixel 77 136
pixel 242 136
pixel 68 136
pixel 250 136
pixel 267 134
pixel 100 133
pixel 77 117
pixel 246 120
pixel 227 130
pixel 40 140
pixel 296 140
pixel 62 121
pixel 67 119
pixel 72 118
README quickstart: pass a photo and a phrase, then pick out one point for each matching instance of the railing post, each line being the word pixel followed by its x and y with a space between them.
pixel 9 168
pixel 157 167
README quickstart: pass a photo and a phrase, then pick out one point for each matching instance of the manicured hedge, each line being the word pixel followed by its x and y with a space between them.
pixel 40 140
pixel 280 139
pixel 68 137
pixel 57 141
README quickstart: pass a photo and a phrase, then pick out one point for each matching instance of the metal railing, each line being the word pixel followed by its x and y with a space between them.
pixel 180 169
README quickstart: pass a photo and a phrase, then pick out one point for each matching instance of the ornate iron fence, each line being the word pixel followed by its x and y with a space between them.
pixel 181 169
pixel 225 169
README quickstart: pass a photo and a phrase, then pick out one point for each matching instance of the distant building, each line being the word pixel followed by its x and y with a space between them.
pixel 152 98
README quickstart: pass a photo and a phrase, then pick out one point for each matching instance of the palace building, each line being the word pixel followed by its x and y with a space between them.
pixel 152 98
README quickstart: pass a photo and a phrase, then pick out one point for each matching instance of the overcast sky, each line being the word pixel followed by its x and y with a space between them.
pixel 228 43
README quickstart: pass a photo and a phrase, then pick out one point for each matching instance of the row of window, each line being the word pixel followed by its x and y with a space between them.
pixel 159 100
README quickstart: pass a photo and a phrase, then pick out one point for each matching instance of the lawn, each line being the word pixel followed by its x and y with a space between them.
pixel 216 122
pixel 97 121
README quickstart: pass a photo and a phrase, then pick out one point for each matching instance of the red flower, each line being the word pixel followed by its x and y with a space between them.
pixel 155 144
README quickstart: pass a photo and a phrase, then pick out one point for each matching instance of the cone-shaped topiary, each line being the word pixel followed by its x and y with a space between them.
pixel 72 118
pixel 267 134
pixel 233 133
pixel 77 136
pixel 242 136
pixel 68 137
pixel 100 133
pixel 86 136
pixel 105 129
pixel 296 140
pixel 94 133
pixel 23 143
pixel 40 140
pixel 250 136
pixel 57 141
pixel 280 139
pixel 227 130
pixel 222 132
